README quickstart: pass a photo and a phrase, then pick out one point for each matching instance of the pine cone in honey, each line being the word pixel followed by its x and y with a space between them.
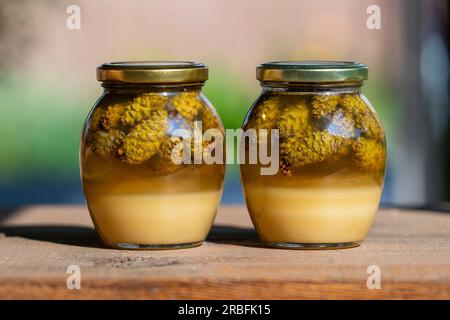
pixel 355 108
pixel 106 142
pixel 370 154
pixel 309 148
pixel 112 116
pixel 142 107
pixel 265 114
pixel 187 104
pixel 323 105
pixel 145 138
pixel 294 120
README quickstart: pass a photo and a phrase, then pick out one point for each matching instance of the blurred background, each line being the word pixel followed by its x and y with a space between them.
pixel 48 84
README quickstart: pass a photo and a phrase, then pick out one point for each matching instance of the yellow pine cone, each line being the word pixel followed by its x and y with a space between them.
pixel 353 103
pixel 187 104
pixel 323 105
pixel 142 107
pixel 266 114
pixel 209 121
pixel 355 108
pixel 111 117
pixel 144 139
pixel 106 142
pixel 294 120
pixel 310 148
pixel 369 154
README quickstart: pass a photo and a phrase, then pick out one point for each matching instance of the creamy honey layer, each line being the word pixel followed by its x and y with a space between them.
pixel 154 219
pixel 313 214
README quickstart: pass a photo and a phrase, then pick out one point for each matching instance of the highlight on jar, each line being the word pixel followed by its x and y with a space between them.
pixel 138 196
pixel 332 154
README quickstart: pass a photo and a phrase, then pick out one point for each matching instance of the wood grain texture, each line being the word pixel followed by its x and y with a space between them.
pixel 37 244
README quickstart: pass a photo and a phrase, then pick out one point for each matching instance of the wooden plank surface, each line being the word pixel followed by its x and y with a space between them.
pixel 37 244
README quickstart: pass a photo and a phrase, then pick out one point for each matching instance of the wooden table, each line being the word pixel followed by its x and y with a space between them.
pixel 38 243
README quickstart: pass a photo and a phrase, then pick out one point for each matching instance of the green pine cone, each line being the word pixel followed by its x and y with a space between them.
pixel 106 142
pixel 187 104
pixel 294 120
pixel 355 108
pixel 145 138
pixel 323 105
pixel 310 148
pixel 142 107
pixel 370 154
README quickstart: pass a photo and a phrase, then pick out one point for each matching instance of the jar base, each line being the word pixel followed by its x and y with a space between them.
pixel 132 246
pixel 312 246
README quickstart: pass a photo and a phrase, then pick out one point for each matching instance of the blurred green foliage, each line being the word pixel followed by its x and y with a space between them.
pixel 40 129
pixel 386 104
pixel 230 97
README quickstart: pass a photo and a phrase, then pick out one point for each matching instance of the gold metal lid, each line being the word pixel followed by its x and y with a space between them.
pixel 311 71
pixel 162 72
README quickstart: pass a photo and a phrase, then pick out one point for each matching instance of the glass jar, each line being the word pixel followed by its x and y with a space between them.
pixel 147 170
pixel 332 156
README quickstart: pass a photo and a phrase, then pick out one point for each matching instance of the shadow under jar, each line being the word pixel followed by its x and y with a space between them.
pixel 139 194
pixel 332 155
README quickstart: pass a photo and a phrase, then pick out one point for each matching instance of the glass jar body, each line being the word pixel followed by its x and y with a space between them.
pixel 332 156
pixel 138 195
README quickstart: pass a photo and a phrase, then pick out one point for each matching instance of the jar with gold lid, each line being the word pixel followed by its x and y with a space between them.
pixel 332 154
pixel 147 166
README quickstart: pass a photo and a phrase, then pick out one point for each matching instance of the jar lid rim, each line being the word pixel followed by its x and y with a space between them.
pixel 311 71
pixel 158 72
